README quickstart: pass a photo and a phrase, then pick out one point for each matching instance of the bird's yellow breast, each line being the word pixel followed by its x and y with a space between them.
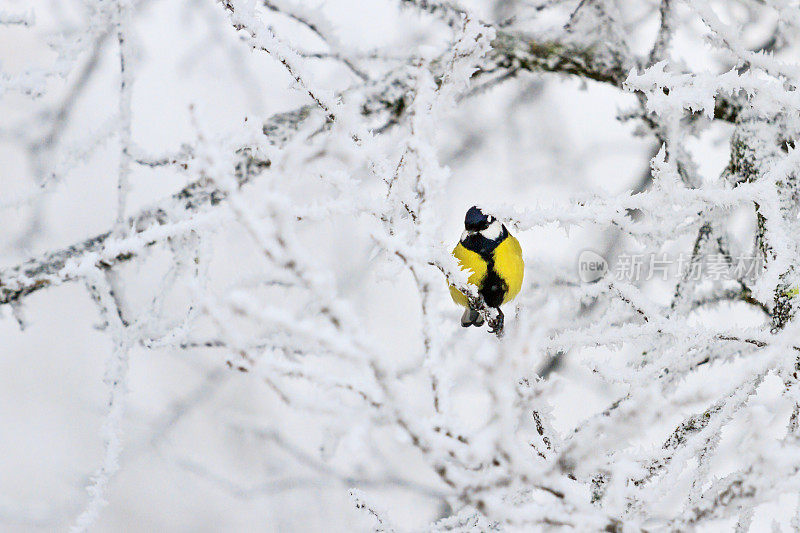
pixel 509 266
pixel 507 263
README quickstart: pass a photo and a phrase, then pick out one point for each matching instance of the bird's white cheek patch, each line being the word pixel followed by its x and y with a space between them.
pixel 493 231
pixel 464 235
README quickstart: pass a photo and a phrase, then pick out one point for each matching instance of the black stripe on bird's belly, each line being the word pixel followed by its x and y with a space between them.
pixel 493 289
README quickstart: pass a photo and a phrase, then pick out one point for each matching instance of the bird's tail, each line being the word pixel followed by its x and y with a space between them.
pixel 471 318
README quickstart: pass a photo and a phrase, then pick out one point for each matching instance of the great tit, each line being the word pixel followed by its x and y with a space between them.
pixel 494 258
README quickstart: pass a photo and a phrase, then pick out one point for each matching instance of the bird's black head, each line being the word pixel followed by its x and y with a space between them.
pixel 476 220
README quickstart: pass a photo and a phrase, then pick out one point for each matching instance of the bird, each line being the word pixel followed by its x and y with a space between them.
pixel 494 258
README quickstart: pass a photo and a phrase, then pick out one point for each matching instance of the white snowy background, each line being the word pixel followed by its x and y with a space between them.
pixel 289 359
